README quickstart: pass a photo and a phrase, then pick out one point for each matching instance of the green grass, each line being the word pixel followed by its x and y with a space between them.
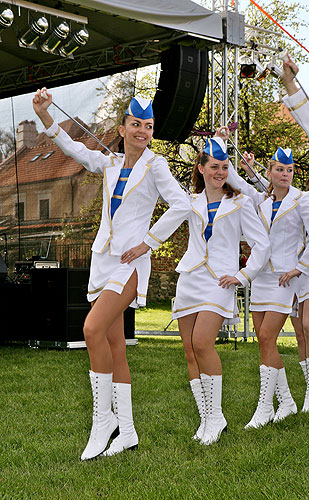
pixel 45 417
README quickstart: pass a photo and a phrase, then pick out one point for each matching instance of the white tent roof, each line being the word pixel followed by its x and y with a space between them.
pixel 182 15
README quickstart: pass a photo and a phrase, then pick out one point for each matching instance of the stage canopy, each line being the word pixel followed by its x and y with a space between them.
pixel 123 35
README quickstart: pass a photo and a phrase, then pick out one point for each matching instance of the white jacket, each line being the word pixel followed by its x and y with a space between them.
pixel 286 231
pixel 298 105
pixel 235 216
pixel 149 179
pixel 288 228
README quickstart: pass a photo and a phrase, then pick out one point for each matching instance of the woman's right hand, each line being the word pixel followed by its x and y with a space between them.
pixel 40 103
pixel 249 157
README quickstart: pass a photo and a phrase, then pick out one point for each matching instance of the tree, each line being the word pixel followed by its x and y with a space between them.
pixel 263 122
pixel 7 143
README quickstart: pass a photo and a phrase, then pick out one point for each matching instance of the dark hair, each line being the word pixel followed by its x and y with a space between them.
pixel 198 179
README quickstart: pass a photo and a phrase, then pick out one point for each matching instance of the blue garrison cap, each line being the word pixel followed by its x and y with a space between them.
pixel 284 156
pixel 140 107
pixel 216 148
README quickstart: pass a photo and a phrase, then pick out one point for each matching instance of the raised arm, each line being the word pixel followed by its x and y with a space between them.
pixel 238 182
pixel 296 101
pixel 41 105
pixel 92 160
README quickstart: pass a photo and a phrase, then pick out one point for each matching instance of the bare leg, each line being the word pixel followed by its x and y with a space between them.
pixel 206 328
pixel 305 320
pixel 186 325
pixel 299 332
pixel 107 311
pixel 117 342
pixel 268 333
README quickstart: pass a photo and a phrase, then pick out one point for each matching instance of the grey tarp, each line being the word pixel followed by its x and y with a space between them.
pixel 182 15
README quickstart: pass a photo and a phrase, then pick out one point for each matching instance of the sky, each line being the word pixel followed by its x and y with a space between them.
pixel 82 99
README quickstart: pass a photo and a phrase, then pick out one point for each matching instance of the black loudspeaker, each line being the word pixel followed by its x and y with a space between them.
pixel 60 304
pixel 181 90
pixel 129 323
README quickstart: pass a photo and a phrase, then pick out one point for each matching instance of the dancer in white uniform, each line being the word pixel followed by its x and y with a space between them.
pixel 209 271
pixel 284 212
pixel 298 105
pixel 132 184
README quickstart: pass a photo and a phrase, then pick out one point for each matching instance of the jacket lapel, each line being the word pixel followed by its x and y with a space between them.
pixel 227 206
pixel 140 169
pixel 110 178
pixel 199 207
pixel 289 202
pixel 265 211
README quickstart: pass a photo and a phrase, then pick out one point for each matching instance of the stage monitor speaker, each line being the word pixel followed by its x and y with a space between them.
pixel 181 90
pixel 3 270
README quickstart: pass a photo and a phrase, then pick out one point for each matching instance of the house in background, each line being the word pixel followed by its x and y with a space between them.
pixel 41 188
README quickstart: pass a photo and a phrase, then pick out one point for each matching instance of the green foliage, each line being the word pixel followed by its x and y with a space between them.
pixel 263 121
pixel 262 124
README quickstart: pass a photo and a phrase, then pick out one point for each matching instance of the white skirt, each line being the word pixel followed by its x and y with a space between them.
pixel 107 273
pixel 267 295
pixel 302 290
pixel 199 291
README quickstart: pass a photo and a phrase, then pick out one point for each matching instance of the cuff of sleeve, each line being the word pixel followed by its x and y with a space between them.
pixel 302 267
pixel 152 241
pixel 255 179
pixel 243 277
pixel 294 100
pixel 52 131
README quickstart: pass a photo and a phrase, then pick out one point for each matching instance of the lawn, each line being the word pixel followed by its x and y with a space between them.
pixel 45 417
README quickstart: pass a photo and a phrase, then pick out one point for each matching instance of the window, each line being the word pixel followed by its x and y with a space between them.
pixel 21 211
pixel 47 155
pixel 44 209
pixel 35 157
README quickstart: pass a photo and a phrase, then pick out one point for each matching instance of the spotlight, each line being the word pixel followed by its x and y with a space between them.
pixel 247 70
pixel 58 34
pixel 79 38
pixel 247 67
pixel 37 28
pixel 6 19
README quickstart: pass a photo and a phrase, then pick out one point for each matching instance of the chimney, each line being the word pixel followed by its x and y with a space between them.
pixel 26 134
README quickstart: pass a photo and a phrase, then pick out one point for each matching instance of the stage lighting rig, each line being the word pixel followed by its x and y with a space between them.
pixel 6 19
pixel 79 39
pixel 58 35
pixel 37 28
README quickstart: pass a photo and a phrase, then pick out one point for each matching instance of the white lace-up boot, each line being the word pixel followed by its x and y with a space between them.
pixel 287 405
pixel 215 422
pixel 104 422
pixel 197 391
pixel 127 439
pixel 305 367
pixel 264 412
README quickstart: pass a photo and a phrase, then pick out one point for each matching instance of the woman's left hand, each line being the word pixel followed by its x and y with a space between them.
pixel 227 281
pixel 285 278
pixel 134 253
